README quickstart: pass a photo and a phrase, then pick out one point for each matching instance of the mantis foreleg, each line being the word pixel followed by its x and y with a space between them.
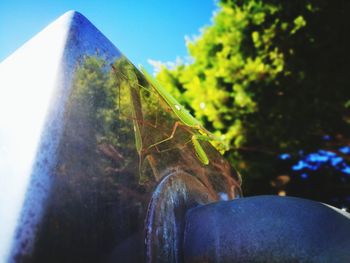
pixel 202 156
pixel 200 153
pixel 169 138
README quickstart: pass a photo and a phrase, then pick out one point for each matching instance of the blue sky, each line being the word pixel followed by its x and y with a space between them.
pixel 142 29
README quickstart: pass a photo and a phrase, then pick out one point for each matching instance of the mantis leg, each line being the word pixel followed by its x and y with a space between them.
pixel 201 154
pixel 169 138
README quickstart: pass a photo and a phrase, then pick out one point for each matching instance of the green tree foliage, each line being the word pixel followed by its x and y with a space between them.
pixel 269 77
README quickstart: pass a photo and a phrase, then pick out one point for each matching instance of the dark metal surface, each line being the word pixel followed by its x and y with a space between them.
pixel 267 229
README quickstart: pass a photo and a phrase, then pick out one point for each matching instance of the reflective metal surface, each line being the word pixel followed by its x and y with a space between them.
pixel 97 182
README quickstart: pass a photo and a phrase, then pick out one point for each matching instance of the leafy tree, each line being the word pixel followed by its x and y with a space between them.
pixel 271 78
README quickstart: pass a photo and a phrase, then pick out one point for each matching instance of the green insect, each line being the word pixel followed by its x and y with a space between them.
pixel 185 118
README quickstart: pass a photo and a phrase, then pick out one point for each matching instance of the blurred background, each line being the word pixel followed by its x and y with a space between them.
pixel 269 77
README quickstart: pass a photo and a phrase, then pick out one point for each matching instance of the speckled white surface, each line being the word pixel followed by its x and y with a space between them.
pixel 34 84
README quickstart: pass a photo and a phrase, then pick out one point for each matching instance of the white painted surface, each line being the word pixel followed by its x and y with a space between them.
pixel 28 79
pixel 35 82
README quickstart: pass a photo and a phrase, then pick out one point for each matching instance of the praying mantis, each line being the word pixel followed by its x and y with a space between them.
pixel 185 119
pixel 142 119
